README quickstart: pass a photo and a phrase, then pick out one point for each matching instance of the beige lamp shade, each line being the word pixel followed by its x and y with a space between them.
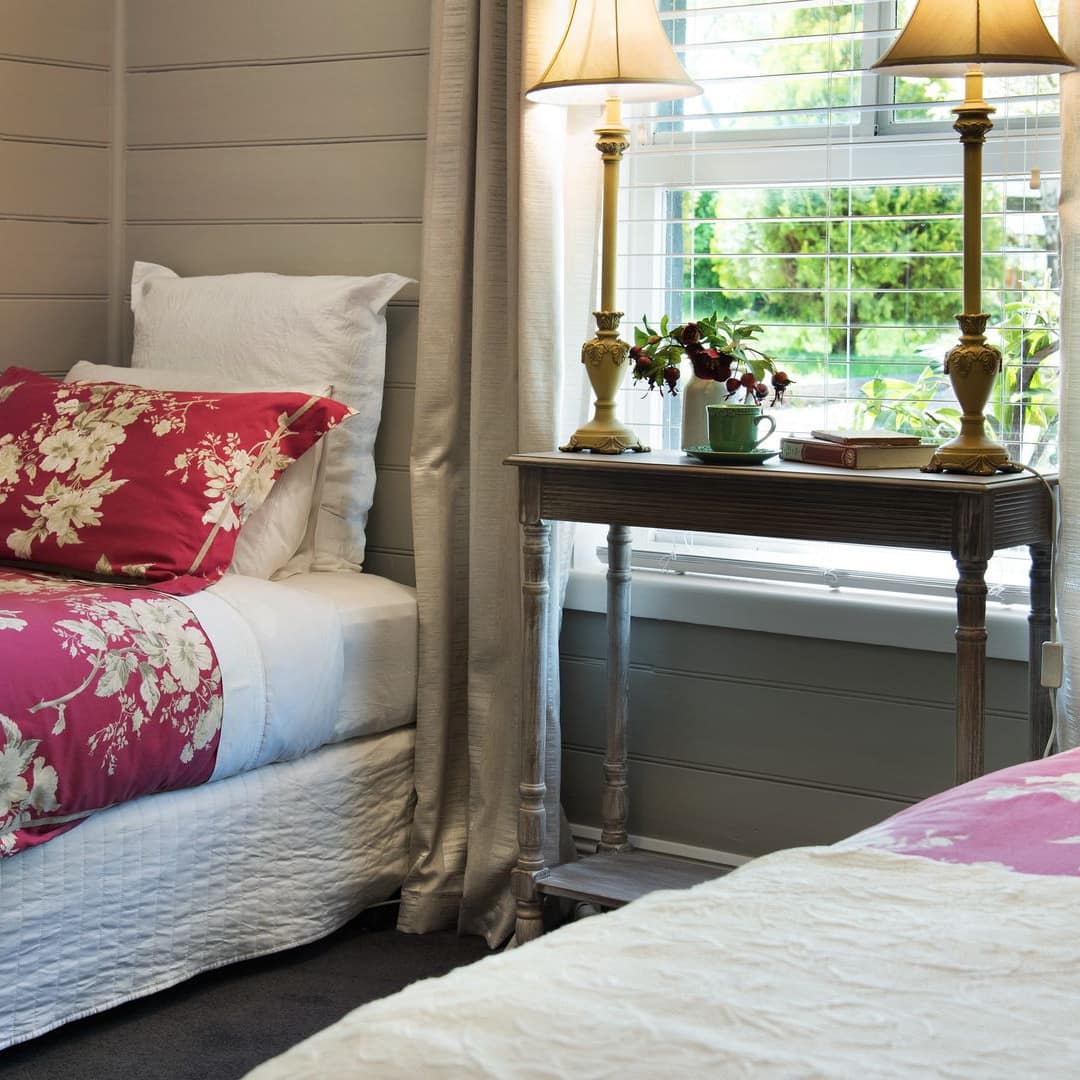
pixel 1003 37
pixel 613 48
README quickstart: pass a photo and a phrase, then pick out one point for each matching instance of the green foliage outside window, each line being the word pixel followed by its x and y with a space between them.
pixel 870 297
pixel 857 286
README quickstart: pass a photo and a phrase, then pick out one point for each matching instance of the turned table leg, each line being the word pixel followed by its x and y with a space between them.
pixel 616 807
pixel 1039 716
pixel 536 549
pixel 970 667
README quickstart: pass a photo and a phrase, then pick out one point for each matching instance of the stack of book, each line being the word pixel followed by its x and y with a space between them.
pixel 858 449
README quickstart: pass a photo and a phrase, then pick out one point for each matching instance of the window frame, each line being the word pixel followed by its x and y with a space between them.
pixel 683 160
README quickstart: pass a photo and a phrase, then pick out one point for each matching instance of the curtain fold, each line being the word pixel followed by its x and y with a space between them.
pixel 1068 556
pixel 488 384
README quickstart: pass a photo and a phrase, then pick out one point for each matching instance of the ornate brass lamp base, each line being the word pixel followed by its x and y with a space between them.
pixel 604 439
pixel 604 358
pixel 972 367
pixel 953 458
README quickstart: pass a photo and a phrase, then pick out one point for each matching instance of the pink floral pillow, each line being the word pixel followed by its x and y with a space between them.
pixel 116 480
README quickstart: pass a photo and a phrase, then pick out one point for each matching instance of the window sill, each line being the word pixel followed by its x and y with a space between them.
pixel 922 623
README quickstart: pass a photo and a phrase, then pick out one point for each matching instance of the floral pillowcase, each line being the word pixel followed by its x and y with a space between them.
pixel 116 480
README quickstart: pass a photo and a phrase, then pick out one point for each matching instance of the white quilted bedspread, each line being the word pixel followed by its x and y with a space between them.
pixel 807 963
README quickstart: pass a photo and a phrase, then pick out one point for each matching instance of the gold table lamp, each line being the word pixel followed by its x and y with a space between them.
pixel 611 51
pixel 973 38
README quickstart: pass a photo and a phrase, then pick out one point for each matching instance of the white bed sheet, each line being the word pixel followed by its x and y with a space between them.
pixel 806 963
pixel 151 892
pixel 311 660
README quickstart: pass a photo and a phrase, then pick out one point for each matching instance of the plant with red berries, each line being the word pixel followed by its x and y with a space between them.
pixel 719 349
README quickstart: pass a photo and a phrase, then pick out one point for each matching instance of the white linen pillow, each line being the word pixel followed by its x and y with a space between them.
pixel 271 328
pixel 284 524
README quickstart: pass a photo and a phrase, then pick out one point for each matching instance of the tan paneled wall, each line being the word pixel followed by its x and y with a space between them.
pixel 55 122
pixel 274 135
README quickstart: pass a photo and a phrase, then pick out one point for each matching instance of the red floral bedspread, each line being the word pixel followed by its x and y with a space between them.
pixel 106 693
pixel 1024 818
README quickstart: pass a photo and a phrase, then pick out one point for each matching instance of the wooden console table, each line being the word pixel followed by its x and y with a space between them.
pixel 969 516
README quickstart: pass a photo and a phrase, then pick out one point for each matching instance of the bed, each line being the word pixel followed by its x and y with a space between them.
pixel 291 675
pixel 940 943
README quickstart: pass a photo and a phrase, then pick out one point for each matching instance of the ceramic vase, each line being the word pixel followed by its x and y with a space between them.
pixel 696 395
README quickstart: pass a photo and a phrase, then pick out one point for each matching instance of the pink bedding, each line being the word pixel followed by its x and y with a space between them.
pixel 1024 818
pixel 106 693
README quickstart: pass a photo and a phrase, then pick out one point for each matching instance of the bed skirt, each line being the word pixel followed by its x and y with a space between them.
pixel 151 892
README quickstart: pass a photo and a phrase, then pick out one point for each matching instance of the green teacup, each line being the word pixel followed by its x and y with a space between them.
pixel 734 428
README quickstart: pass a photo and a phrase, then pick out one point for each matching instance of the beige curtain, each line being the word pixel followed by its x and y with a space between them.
pixel 488 384
pixel 1068 564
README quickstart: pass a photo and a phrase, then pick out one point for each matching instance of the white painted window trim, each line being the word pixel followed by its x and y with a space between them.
pixel 923 623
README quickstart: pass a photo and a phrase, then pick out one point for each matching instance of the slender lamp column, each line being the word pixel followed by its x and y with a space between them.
pixel 611 51
pixel 946 38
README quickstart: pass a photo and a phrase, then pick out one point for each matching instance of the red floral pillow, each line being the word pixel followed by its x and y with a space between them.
pixel 117 480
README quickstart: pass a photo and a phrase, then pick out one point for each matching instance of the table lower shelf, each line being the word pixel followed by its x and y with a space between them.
pixel 612 880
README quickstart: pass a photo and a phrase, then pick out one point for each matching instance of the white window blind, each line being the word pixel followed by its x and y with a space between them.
pixel 823 201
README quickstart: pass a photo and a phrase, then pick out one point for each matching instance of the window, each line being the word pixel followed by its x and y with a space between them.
pixel 812 196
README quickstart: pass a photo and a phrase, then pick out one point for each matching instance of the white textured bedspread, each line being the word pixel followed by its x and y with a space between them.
pixel 808 963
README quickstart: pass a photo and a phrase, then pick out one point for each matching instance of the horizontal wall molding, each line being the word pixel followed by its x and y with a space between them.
pixel 240 144
pixel 383 549
pixel 298 104
pixel 380 181
pixel 39 258
pixel 738 814
pixel 47 180
pixel 278 61
pixel 266 135
pixel 805 659
pixel 855 718
pixel 163 33
pixel 60 219
pixel 226 222
pixel 723 679
pixel 61 32
pixel 392 448
pixel 51 334
pixel 402 330
pixel 12 137
pixel 49 296
pixel 390 525
pixel 748 774
pixel 397 565
pixel 298 248
pixel 55 105
pixel 51 61
pixel 49 101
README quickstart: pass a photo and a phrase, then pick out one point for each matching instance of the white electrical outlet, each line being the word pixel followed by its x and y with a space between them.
pixel 1053 664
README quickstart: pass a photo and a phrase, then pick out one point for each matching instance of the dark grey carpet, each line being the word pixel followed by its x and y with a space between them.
pixel 221 1024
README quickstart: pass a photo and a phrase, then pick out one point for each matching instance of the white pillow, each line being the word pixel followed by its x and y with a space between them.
pixel 269 328
pixel 277 531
